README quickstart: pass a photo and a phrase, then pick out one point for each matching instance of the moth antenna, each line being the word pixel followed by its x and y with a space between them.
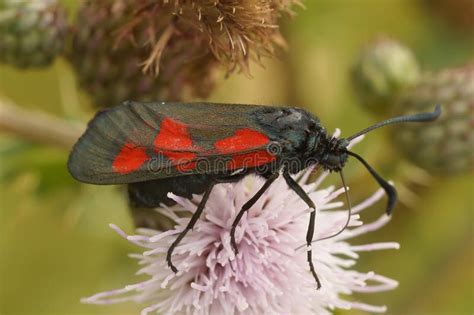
pixel 349 211
pixel 389 189
pixel 422 117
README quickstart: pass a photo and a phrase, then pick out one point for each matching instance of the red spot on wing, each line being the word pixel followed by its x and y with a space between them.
pixel 173 137
pixel 182 160
pixel 179 156
pixel 250 159
pixel 129 159
pixel 243 139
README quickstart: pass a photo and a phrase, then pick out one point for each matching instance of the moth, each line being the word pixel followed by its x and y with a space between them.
pixel 188 148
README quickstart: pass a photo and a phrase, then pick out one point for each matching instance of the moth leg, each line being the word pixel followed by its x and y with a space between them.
pixel 247 206
pixel 190 225
pixel 309 235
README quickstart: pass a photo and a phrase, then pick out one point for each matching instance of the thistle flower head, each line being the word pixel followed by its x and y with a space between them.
pixel 270 275
pixel 232 32
pixel 169 49
pixel 108 53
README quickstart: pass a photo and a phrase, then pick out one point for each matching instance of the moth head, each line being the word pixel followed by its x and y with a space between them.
pixel 336 155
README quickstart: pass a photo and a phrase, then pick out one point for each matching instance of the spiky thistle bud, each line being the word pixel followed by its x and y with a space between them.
pixel 32 33
pixel 447 145
pixel 384 68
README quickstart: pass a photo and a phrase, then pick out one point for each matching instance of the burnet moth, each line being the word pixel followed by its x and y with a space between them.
pixel 187 148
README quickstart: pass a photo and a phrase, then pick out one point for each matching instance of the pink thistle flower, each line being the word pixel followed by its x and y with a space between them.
pixel 270 275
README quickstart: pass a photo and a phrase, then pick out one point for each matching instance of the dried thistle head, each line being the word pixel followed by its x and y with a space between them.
pixel 233 32
pixel 184 41
pixel 110 71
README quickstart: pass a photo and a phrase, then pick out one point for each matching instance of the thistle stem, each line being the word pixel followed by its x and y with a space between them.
pixel 38 127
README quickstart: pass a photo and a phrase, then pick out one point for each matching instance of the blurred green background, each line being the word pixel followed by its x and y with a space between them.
pixel 55 244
